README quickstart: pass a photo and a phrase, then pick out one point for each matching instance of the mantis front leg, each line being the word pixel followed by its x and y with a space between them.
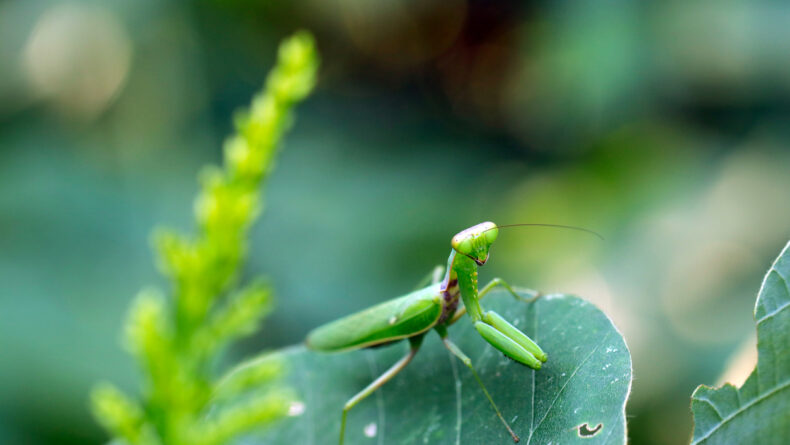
pixel 490 325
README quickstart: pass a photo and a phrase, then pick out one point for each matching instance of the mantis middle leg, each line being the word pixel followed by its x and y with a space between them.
pixel 414 343
pixel 534 295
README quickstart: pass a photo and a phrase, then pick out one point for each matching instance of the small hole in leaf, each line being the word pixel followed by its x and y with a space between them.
pixel 585 431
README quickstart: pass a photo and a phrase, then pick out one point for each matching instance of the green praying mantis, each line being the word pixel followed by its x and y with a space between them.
pixel 436 307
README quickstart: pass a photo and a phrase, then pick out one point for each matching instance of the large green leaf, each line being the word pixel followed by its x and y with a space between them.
pixel 435 400
pixel 758 412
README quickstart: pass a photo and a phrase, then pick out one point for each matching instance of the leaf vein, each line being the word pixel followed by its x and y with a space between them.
pixel 609 434
pixel 784 280
pixel 715 409
pixel 573 374
pixel 773 313
pixel 458 405
pixel 379 397
pixel 532 411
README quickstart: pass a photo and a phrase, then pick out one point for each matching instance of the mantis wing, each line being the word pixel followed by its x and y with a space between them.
pixel 396 319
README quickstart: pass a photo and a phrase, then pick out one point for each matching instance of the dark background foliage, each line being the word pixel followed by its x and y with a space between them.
pixel 661 125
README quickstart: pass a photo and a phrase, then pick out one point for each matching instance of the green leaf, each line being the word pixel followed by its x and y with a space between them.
pixel 436 400
pixel 758 412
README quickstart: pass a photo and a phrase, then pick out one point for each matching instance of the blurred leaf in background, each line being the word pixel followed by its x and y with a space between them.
pixel 758 410
pixel 663 126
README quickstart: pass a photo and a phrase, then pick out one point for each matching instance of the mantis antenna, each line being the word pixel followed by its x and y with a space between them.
pixel 557 226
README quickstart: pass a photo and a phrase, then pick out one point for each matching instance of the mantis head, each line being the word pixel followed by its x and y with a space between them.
pixel 475 241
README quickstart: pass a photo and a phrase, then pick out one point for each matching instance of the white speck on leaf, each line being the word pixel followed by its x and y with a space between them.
pixel 371 430
pixel 296 409
pixel 393 319
pixel 611 349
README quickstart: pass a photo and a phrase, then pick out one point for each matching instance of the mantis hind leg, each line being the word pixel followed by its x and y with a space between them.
pixel 468 362
pixel 499 282
pixel 414 343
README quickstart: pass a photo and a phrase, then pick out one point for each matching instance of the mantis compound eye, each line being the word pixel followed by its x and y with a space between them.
pixel 463 245
pixel 491 235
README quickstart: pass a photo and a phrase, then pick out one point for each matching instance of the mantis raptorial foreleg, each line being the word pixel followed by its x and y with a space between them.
pixel 468 362
pixel 414 343
pixel 534 295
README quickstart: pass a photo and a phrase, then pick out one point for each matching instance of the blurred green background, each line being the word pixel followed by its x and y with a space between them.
pixel 661 125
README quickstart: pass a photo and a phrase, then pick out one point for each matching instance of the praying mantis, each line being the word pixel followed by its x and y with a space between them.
pixel 436 307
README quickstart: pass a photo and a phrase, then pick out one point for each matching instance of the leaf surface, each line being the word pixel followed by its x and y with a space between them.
pixel 436 400
pixel 759 411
